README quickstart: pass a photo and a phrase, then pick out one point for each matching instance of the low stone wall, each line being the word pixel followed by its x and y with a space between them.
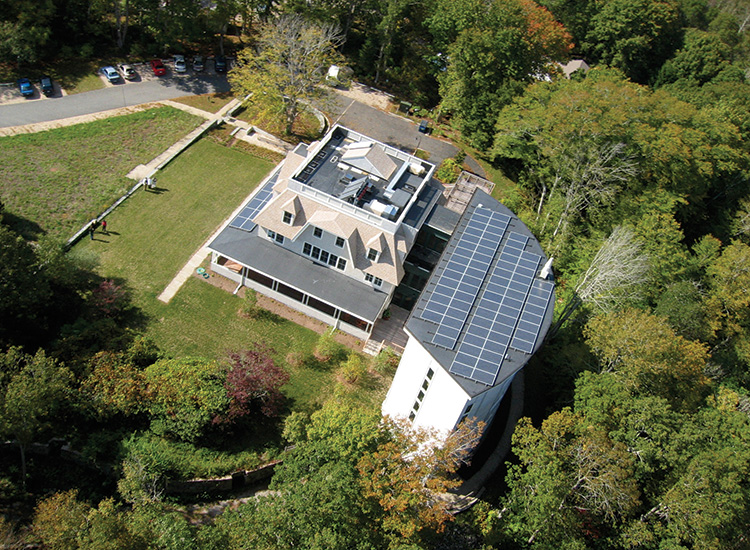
pixel 222 484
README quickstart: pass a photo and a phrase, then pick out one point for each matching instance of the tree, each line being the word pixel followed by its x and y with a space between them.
pixel 702 58
pixel 58 519
pixel 490 51
pixel 636 36
pixel 571 482
pixel 253 380
pixel 31 398
pixel 645 351
pixel 408 474
pixel 184 396
pixel 286 68
pixel 613 278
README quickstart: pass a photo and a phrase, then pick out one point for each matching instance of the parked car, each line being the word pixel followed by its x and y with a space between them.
pixel 424 127
pixel 179 64
pixel 46 84
pixel 220 64
pixel 24 85
pixel 127 71
pixel 198 63
pixel 111 74
pixel 158 67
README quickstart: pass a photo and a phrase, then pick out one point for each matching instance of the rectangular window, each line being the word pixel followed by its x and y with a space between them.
pixel 291 292
pixel 420 396
pixel 378 281
pixel 430 374
pixel 279 238
pixel 306 249
pixel 275 236
pixel 354 321
pixel 259 278
pixel 288 218
pixel 321 306
pixel 315 252
pixel 318 232
pixel 342 264
pixel 372 254
pixel 324 256
pixel 339 242
pixel 332 260
pixel 368 277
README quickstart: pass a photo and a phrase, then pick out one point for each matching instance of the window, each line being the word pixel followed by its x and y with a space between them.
pixel 275 236
pixel 377 281
pixel 340 242
pixel 430 374
pixel 372 254
pixel 288 218
pixel 318 232
pixel 420 395
pixel 324 257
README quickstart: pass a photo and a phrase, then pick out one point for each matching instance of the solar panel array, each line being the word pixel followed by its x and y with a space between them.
pixel 244 220
pixel 459 283
pixel 532 316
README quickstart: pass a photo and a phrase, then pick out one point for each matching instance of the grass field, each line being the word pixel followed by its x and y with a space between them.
pixel 57 180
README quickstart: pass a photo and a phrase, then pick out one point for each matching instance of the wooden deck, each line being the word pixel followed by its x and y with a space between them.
pixel 389 332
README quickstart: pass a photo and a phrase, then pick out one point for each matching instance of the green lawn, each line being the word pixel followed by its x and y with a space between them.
pixel 57 180
pixel 153 234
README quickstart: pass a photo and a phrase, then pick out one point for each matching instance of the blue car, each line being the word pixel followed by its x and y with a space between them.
pixel 24 84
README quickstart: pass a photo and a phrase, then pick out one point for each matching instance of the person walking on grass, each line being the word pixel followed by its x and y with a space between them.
pixel 104 227
pixel 92 228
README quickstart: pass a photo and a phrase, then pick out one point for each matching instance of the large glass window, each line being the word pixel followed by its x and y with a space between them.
pixel 354 321
pixel 259 277
pixel 321 306
pixel 291 292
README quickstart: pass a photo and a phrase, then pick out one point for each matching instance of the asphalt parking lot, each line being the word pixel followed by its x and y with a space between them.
pixel 9 93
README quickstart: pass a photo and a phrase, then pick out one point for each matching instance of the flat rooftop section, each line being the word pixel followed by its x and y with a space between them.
pixel 502 321
pixel 384 176
pixel 324 283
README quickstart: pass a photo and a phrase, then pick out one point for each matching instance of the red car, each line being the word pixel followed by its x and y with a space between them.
pixel 158 67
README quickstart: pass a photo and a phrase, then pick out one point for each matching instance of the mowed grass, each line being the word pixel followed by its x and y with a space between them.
pixel 56 181
pixel 153 234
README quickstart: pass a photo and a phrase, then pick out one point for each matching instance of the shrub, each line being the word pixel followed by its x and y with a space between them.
pixel 386 361
pixel 448 171
pixel 353 370
pixel 327 347
pixel 249 306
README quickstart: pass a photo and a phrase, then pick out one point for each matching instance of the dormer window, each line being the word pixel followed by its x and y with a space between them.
pixel 318 232
pixel 340 242
pixel 288 218
pixel 372 255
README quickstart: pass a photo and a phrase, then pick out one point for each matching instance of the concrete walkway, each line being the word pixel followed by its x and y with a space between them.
pixel 147 170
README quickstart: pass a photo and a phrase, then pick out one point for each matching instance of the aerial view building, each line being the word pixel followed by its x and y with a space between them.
pixel 484 312
pixel 328 232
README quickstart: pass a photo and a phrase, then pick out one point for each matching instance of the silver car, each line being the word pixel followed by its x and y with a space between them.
pixel 179 64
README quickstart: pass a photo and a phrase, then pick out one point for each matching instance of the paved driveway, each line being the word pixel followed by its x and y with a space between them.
pixel 388 128
pixel 113 96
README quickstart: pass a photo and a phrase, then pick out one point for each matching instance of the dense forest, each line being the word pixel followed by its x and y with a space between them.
pixel 635 177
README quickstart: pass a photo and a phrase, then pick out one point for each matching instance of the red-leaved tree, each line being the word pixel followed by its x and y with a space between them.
pixel 253 380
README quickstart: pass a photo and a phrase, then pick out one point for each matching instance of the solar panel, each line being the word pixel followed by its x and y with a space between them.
pixel 244 220
pixel 501 318
pixel 532 316
pixel 459 283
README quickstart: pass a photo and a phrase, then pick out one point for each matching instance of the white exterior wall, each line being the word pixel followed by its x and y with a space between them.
pixel 444 400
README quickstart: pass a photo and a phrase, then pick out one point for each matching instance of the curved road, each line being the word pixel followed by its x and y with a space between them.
pixel 112 97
